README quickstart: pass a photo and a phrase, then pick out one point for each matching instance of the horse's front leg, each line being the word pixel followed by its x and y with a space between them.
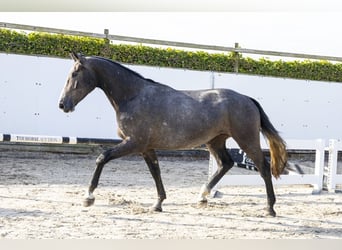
pixel 153 165
pixel 122 149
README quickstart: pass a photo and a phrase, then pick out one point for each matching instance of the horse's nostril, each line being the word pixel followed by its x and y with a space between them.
pixel 61 105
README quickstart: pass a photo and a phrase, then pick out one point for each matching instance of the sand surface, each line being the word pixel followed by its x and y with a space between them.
pixel 41 198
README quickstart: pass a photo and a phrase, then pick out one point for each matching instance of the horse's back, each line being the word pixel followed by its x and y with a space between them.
pixel 214 108
pixel 235 113
pixel 201 115
pixel 226 99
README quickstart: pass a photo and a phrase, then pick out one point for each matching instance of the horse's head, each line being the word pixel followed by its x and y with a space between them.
pixel 81 81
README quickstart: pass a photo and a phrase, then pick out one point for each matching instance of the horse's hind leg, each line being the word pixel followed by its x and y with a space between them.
pixel 217 148
pixel 253 151
pixel 153 165
pixel 265 173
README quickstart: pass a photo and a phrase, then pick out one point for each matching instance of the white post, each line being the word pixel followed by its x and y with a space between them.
pixel 332 165
pixel 319 165
pixel 212 80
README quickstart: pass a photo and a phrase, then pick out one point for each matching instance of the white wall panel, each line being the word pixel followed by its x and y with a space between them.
pixel 29 93
pixel 298 109
pixel 30 87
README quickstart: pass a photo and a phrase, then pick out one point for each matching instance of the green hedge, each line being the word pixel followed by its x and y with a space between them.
pixel 60 45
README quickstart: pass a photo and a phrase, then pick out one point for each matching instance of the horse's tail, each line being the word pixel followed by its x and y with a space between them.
pixel 276 143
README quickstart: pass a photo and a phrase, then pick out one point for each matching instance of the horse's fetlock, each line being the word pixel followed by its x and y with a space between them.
pixel 205 191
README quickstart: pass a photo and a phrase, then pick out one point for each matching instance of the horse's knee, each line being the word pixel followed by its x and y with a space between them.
pixel 100 159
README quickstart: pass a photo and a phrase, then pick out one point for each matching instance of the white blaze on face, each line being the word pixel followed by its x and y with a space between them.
pixel 62 95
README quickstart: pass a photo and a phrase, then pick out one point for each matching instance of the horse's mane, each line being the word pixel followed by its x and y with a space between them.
pixel 123 67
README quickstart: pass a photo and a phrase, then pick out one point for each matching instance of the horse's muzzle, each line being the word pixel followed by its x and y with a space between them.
pixel 66 106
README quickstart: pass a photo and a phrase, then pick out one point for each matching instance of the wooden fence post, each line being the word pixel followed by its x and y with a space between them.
pixel 106 48
pixel 236 57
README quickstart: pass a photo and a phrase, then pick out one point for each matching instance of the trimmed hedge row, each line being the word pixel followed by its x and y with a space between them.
pixel 37 43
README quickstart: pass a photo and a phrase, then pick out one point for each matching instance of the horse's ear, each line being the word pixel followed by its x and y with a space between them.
pixel 74 56
pixel 77 57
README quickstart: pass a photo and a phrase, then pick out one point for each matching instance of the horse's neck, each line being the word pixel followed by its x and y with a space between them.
pixel 118 85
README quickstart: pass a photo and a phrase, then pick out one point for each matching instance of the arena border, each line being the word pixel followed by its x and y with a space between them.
pixel 55 139
pixel 82 145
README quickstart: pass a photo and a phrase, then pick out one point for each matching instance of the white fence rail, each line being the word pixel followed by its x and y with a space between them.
pixel 106 35
pixel 316 179
pixel 333 178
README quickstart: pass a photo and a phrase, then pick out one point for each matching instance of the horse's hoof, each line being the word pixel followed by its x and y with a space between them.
pixel 272 213
pixel 202 203
pixel 156 209
pixel 88 202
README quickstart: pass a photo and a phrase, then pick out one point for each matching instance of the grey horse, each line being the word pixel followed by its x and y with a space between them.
pixel 153 116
